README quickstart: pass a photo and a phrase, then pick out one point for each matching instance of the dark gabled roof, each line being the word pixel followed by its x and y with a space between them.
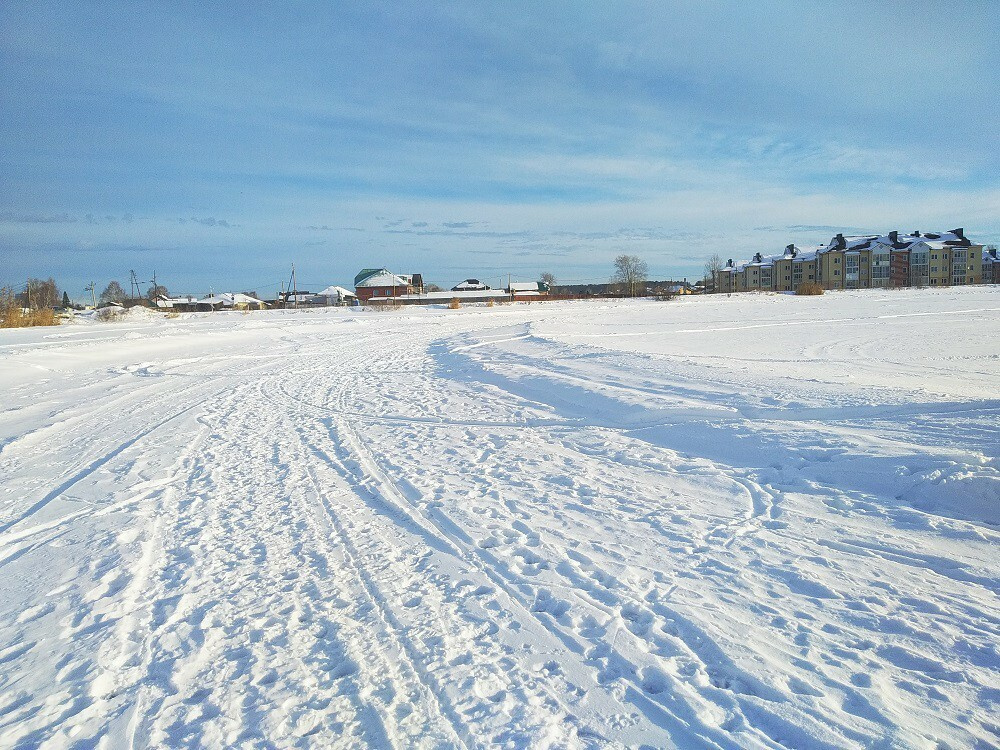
pixel 368 273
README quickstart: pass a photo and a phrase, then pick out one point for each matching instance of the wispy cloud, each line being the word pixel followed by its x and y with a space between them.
pixel 522 132
pixel 11 217
pixel 325 228
pixel 207 221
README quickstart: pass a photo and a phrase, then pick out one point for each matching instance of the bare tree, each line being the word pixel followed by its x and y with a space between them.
pixel 630 274
pixel 548 279
pixel 712 267
pixel 42 294
pixel 113 292
pixel 157 290
pixel 9 306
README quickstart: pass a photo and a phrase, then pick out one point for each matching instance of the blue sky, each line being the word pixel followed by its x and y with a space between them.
pixel 217 143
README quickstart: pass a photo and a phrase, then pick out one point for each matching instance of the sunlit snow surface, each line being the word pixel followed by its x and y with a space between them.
pixel 757 521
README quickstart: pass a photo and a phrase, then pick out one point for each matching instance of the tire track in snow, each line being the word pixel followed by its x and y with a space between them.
pixel 856 705
pixel 201 636
pixel 431 689
pixel 658 704
pixel 91 467
pixel 413 522
pixel 663 696
pixel 432 692
pixel 734 691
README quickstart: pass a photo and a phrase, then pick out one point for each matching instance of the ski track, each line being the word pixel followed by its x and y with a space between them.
pixel 513 528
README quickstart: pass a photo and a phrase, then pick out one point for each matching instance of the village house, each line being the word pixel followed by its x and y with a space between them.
pixel 336 295
pixel 374 285
pixel 381 284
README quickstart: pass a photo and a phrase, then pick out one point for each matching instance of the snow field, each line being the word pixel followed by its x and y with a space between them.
pixel 758 521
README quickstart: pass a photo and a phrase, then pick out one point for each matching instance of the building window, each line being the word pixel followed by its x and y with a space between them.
pixel 852 267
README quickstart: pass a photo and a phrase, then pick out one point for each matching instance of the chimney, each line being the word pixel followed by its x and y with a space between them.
pixel 841 242
pixel 729 262
pixel 893 236
pixel 916 232
pixel 960 233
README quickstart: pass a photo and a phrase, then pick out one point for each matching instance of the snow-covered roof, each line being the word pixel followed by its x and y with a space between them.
pixel 791 252
pixel 335 291
pixel 165 302
pixel 384 279
pixel 240 298
pixel 525 286
pixel 375 277
pixel 228 299
pixel 469 284
pixel 898 240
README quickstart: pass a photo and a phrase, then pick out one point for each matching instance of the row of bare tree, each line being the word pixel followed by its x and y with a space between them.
pixel 114 294
pixel 32 307
pixel 630 276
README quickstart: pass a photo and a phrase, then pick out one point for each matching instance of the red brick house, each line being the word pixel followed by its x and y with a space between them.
pixel 380 284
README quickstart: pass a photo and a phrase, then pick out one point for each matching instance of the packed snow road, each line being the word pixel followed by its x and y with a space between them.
pixel 747 522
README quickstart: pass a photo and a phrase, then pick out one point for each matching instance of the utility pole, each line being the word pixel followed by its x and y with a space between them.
pixel 93 295
pixel 295 288
pixel 134 290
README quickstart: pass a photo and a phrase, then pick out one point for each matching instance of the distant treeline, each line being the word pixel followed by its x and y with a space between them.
pixel 612 288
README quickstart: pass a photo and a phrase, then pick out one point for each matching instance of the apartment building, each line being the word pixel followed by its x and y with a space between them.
pixel 991 266
pixel 782 273
pixel 864 262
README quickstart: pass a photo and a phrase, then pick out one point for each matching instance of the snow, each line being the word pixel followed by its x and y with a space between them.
pixel 470 285
pixel 524 286
pixel 384 279
pixel 228 299
pixel 336 291
pixel 762 521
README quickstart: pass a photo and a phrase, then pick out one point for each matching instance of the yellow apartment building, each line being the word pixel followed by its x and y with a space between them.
pixel 863 262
